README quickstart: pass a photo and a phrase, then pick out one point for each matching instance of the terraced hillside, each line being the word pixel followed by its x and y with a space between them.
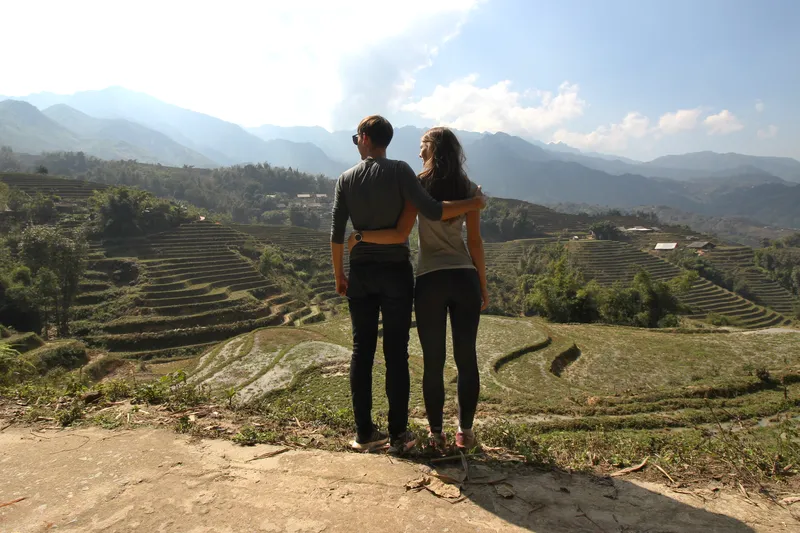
pixel 611 261
pixel 66 189
pixel 193 289
pixel 767 291
pixel 557 377
pixel 288 237
pixel 295 239
pixel 505 256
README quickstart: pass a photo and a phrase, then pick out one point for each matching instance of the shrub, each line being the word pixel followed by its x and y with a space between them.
pixel 556 290
pixel 763 375
pixel 66 355
pixel 715 319
pixel 128 212
pixel 13 368
pixel 605 230
pixel 103 366
pixel 22 276
pixel 27 342
pixel 271 261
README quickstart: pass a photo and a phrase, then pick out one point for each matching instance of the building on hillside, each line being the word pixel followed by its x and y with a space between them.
pixel 666 246
pixel 701 245
pixel 638 229
pixel 303 196
pixel 321 197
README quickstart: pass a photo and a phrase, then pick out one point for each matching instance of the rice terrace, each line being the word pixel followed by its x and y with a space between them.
pixel 233 331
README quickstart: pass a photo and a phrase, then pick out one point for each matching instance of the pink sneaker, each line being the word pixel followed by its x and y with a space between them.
pixel 465 439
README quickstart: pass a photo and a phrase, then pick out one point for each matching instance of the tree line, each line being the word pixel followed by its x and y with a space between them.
pixel 239 193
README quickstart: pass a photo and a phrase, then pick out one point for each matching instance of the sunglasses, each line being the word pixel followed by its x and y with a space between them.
pixel 355 139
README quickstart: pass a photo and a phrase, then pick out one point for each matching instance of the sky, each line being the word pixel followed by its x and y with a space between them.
pixel 637 78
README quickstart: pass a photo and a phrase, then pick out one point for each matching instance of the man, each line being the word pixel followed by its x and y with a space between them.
pixel 372 195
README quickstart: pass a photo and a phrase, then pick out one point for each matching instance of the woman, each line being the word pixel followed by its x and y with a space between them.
pixel 451 278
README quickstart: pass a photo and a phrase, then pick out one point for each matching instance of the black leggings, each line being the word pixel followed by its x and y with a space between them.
pixel 456 291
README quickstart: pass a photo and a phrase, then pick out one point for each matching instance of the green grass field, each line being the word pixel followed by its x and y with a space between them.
pixel 556 377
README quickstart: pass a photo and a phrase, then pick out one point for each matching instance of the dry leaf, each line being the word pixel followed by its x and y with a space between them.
pixel 436 486
pixel 449 475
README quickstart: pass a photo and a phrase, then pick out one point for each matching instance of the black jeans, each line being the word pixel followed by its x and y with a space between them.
pixel 387 288
pixel 458 292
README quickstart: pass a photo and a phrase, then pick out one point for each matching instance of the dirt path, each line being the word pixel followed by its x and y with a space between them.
pixel 153 480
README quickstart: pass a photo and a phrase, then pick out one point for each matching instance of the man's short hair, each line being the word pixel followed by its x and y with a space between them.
pixel 378 129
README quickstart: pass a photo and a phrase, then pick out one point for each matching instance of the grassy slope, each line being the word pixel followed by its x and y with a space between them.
pixel 618 371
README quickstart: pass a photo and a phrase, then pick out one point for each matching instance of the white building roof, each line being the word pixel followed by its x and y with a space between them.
pixel 666 246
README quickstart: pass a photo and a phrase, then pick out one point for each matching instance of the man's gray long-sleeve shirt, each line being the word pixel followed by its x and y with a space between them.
pixel 372 194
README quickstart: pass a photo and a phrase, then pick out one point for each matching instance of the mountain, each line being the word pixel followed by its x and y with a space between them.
pixel 223 142
pixel 26 129
pixel 770 203
pixel 711 162
pixel 508 166
pixel 302 156
pixel 561 147
pixel 155 146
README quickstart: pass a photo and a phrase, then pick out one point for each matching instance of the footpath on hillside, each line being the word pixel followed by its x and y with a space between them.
pixel 91 480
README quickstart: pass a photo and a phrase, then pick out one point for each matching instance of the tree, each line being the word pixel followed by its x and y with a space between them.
pixel 41 169
pixel 605 230
pixel 296 216
pixel 41 209
pixel 646 303
pixel 4 191
pixel 562 295
pixel 127 212
pixel 8 160
pixel 44 248
pixel 47 292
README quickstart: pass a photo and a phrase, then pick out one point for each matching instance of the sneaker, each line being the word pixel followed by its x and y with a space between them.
pixel 438 441
pixel 465 439
pixel 375 440
pixel 403 443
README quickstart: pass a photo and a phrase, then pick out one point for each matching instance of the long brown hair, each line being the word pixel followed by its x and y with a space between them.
pixel 443 176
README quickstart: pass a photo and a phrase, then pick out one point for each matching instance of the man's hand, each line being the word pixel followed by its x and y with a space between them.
pixel 351 241
pixel 484 298
pixel 480 198
pixel 341 285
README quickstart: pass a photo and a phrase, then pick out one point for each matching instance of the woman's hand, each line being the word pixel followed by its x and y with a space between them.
pixel 484 298
pixel 351 241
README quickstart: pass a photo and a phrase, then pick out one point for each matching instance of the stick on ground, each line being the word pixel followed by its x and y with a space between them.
pixel 12 502
pixel 273 453
pixel 632 468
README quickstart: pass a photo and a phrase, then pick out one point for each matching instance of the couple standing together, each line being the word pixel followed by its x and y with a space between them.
pixel 382 197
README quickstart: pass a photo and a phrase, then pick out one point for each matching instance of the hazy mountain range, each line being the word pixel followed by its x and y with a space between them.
pixel 116 123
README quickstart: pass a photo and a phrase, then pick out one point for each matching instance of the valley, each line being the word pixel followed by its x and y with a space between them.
pixel 218 329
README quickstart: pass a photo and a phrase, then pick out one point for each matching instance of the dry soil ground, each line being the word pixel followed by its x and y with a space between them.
pixel 153 480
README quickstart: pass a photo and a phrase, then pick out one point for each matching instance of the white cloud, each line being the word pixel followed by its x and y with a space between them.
pixel 465 105
pixel 759 105
pixel 612 138
pixel 770 132
pixel 249 62
pixel 381 77
pixel 681 120
pixel 722 123
pixel 635 126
